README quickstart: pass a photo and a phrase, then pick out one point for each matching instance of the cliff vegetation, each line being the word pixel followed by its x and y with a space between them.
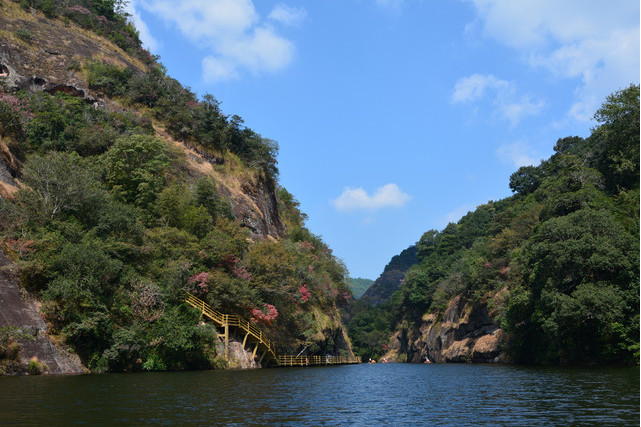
pixel 121 189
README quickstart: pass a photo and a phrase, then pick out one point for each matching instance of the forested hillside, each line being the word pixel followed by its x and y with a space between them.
pixel 121 189
pixel 556 265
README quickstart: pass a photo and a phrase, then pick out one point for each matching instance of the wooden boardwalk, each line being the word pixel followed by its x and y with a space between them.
pixel 262 346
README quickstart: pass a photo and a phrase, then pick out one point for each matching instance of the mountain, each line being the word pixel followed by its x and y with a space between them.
pixel 359 285
pixel 391 278
pixel 549 275
pixel 120 189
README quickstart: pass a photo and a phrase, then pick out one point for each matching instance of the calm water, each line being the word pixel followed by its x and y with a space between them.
pixel 394 394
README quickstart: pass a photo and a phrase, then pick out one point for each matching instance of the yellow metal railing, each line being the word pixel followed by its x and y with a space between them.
pixel 284 360
pixel 227 320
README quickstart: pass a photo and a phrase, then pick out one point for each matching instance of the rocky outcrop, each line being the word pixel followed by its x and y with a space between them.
pixel 239 357
pixel 261 215
pixel 465 333
pixel 50 59
pixel 18 309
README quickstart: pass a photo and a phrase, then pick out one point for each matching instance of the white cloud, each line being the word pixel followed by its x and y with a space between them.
pixel 517 154
pixel 206 20
pixel 506 102
pixel 288 15
pixel 514 110
pixel 219 69
pixel 353 199
pixel 232 31
pixel 591 40
pixel 472 88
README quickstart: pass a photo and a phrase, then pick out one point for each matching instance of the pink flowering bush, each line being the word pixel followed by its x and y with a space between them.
pixel 200 280
pixel 20 247
pixel 237 269
pixel 304 293
pixel 346 296
pixel 15 113
pixel 265 315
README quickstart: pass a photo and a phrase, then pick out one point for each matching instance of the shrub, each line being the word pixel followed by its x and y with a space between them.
pixel 108 78
pixel 34 367
pixel 23 34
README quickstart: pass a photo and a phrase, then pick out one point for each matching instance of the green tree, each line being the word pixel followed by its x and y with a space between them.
pixel 583 297
pixel 135 168
pixel 526 179
pixel 61 184
pixel 616 139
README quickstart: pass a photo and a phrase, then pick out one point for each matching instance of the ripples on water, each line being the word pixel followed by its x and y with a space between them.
pixel 392 394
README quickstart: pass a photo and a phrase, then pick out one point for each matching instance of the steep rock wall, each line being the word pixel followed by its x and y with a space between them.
pixel 18 309
pixel 465 333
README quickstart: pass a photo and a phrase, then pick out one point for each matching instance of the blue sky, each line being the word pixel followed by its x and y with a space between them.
pixel 394 117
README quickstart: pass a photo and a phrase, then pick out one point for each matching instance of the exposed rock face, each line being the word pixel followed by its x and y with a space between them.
pixel 239 357
pixel 6 175
pixel 266 220
pixel 466 333
pixel 253 199
pixel 18 309
pixel 256 207
pixel 50 61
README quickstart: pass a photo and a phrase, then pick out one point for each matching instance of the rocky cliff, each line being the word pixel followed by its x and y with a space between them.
pixel 464 333
pixel 19 309
pixel 48 56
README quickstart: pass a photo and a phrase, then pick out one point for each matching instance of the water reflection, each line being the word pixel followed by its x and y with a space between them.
pixel 340 395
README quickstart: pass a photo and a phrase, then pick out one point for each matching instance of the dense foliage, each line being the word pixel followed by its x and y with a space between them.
pixel 557 263
pixel 112 226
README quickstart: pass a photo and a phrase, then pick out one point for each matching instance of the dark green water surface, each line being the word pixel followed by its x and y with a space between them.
pixel 393 394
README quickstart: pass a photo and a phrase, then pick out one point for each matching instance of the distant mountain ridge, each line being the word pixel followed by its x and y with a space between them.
pixel 391 278
pixel 359 285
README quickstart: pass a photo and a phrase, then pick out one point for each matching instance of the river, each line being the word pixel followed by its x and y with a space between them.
pixel 382 394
